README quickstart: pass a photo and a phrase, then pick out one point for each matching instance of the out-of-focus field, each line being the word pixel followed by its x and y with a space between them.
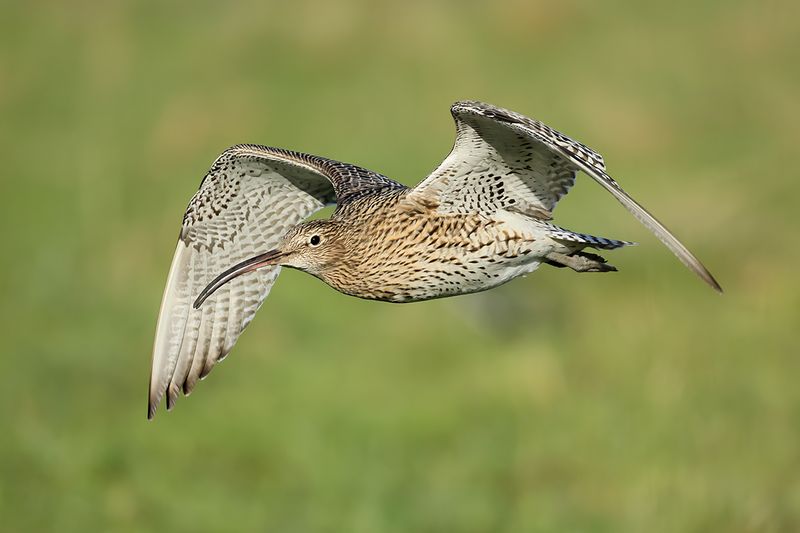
pixel 634 401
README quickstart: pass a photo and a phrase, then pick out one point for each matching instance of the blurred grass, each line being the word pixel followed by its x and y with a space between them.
pixel 638 401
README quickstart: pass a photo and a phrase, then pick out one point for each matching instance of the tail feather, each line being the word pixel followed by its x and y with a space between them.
pixel 601 243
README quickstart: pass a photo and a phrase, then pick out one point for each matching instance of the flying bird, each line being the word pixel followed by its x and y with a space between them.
pixel 482 218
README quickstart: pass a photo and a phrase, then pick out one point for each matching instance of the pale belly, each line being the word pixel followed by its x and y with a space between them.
pixel 444 275
pixel 466 282
pixel 439 257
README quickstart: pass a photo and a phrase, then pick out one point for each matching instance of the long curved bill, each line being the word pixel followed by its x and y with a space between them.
pixel 268 258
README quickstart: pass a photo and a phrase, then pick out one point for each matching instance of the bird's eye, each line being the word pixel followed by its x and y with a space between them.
pixel 314 240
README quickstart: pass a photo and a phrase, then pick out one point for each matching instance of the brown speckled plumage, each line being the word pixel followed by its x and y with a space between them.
pixel 479 220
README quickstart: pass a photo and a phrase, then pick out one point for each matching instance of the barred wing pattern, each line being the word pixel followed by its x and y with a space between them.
pixel 504 160
pixel 492 167
pixel 250 198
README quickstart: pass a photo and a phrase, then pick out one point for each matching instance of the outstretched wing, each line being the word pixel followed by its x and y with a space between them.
pixel 250 198
pixel 504 160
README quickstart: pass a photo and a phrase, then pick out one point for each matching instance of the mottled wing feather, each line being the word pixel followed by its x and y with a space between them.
pixel 504 160
pixel 494 167
pixel 250 198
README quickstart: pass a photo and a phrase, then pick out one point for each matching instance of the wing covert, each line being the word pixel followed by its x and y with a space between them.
pixel 493 166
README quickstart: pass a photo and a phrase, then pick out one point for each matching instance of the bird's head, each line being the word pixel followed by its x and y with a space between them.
pixel 314 247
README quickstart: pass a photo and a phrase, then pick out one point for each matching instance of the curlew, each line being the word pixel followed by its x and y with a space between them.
pixel 480 219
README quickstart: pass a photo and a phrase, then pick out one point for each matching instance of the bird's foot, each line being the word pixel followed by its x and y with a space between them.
pixel 579 262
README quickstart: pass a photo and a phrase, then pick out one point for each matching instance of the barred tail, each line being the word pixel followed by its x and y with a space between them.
pixel 601 243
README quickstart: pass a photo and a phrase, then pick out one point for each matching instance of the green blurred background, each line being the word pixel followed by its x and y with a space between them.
pixel 636 401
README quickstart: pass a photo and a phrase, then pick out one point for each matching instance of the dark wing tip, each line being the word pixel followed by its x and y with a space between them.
pixel 708 278
pixel 698 268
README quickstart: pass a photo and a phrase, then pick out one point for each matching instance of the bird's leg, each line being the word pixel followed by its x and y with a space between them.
pixel 579 262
